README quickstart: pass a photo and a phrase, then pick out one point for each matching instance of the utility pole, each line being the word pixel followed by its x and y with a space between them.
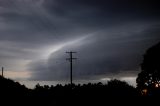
pixel 70 59
pixel 2 71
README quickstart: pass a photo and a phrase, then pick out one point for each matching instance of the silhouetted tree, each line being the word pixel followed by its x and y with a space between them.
pixel 45 95
pixel 148 80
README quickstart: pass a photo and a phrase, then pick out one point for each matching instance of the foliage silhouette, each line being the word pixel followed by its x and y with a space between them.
pixel 90 93
pixel 12 92
pixel 148 80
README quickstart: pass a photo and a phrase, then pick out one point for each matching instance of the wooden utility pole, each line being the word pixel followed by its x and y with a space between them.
pixel 2 71
pixel 71 66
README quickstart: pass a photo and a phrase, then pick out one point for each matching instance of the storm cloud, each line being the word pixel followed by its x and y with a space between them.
pixel 109 36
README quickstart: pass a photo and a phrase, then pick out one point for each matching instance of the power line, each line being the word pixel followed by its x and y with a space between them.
pixel 70 59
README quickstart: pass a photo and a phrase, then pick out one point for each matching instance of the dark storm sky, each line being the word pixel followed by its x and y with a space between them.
pixel 110 37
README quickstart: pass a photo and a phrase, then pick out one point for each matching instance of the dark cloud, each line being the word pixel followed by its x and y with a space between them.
pixel 106 56
pixel 103 11
pixel 110 36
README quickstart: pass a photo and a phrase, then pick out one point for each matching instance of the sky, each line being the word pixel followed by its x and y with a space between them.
pixel 109 36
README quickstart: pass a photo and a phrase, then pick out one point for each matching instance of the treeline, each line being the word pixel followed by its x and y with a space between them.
pixel 85 94
pixel 65 94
